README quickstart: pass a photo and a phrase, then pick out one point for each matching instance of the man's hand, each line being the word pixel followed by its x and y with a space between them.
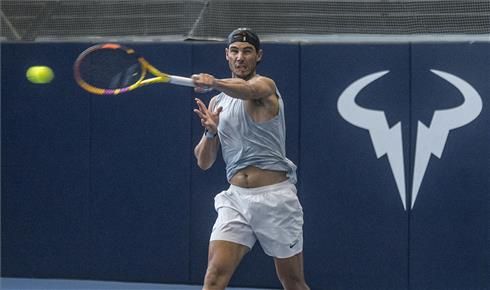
pixel 209 120
pixel 203 82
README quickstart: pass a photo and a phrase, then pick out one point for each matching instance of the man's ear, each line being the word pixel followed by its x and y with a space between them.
pixel 226 53
pixel 259 55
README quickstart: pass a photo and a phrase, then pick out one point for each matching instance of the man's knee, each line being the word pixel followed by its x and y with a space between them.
pixel 216 278
pixel 290 272
pixel 224 257
pixel 291 281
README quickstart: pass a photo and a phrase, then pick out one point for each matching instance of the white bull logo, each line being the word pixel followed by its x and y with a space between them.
pixel 430 140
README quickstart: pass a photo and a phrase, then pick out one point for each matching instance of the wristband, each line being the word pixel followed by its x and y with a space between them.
pixel 210 135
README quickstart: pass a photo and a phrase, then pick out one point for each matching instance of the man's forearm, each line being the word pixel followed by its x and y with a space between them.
pixel 206 152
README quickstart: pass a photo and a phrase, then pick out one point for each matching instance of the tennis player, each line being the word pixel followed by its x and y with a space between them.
pixel 247 121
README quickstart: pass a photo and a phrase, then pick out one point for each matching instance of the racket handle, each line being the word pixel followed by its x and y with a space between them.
pixel 181 81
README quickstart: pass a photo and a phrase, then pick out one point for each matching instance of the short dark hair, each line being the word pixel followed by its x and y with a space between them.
pixel 244 35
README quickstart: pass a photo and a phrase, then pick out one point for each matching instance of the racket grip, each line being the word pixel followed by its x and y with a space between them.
pixel 181 81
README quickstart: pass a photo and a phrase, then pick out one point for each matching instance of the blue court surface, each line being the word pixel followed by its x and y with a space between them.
pixel 54 284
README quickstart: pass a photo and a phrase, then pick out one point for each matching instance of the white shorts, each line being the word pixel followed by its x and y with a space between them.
pixel 271 214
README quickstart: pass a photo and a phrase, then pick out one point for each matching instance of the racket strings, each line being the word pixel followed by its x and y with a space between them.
pixel 126 77
pixel 110 69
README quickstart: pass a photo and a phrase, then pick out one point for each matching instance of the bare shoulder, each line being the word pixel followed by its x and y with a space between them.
pixel 267 106
pixel 264 83
pixel 265 89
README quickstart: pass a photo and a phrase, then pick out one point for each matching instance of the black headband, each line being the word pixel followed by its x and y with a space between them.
pixel 244 35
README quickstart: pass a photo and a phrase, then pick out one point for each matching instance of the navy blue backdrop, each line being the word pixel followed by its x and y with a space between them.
pixel 98 187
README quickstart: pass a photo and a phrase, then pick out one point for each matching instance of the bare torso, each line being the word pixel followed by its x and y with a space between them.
pixel 251 177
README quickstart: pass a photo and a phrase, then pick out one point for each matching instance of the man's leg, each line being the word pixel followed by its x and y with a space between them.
pixel 290 272
pixel 223 259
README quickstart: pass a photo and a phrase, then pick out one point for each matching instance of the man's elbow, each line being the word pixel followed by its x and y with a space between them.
pixel 204 165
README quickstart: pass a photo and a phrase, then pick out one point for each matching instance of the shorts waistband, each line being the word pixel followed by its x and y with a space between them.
pixel 262 189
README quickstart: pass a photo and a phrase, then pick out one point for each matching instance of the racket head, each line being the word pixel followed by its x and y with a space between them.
pixel 109 69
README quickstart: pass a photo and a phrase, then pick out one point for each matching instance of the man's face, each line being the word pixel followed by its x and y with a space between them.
pixel 242 59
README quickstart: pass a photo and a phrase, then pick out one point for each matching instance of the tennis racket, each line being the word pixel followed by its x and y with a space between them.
pixel 111 69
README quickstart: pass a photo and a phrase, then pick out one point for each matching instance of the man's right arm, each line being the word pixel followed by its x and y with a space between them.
pixel 206 151
pixel 207 148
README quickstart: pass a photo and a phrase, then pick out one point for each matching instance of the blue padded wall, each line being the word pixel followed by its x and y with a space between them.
pixel 94 186
pixel 107 188
pixel 140 172
pixel 45 168
pixel 354 214
pixel 449 240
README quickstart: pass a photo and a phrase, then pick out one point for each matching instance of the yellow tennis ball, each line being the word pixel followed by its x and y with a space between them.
pixel 40 74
